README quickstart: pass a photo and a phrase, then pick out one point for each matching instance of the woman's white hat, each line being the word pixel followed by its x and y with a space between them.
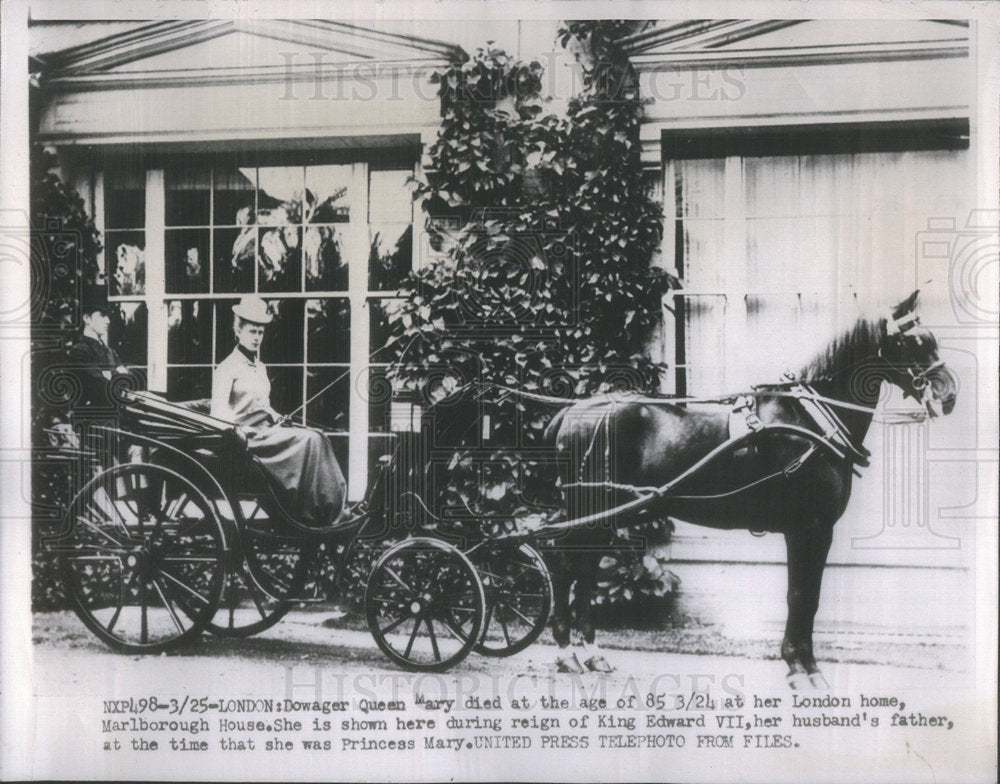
pixel 253 309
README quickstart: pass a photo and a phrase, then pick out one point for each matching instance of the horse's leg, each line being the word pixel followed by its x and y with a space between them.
pixel 562 579
pixel 586 583
pixel 807 551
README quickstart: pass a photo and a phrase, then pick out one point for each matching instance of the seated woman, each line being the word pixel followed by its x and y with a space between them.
pixel 307 477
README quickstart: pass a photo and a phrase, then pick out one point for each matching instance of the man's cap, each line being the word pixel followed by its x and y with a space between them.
pixel 94 297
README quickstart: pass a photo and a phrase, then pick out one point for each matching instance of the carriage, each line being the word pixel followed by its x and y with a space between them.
pixel 178 530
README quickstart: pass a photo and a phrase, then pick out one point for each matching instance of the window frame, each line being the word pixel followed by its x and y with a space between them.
pixel 357 237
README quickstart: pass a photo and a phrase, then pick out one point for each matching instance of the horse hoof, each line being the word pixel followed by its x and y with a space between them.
pixel 818 681
pixel 797 681
pixel 569 664
pixel 598 664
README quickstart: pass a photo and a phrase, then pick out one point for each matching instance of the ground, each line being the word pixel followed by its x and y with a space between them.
pixel 313 635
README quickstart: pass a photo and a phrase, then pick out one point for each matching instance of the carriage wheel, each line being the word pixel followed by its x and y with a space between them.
pixel 144 562
pixel 262 589
pixel 424 604
pixel 518 592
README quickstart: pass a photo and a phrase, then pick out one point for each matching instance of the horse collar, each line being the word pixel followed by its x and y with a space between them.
pixel 832 427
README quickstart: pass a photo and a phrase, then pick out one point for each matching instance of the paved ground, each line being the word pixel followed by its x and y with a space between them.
pixel 305 637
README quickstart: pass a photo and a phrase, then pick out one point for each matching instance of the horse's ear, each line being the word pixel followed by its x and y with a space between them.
pixel 907 306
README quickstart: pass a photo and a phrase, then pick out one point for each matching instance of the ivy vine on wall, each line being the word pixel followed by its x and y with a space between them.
pixel 545 280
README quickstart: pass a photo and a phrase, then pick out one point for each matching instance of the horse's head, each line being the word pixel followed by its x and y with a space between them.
pixel 911 352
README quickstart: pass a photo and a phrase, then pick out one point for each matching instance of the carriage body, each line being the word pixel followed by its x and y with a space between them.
pixel 178 530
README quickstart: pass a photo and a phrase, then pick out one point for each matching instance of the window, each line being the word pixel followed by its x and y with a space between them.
pixel 763 238
pixel 323 243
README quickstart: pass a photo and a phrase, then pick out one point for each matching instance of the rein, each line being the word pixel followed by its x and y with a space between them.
pixel 774 390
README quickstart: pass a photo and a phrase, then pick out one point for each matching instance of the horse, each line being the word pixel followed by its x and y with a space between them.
pixel 792 477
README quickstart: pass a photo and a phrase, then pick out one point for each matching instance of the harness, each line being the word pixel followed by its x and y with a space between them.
pixel 833 431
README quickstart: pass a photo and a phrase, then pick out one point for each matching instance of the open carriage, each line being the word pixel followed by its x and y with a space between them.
pixel 178 530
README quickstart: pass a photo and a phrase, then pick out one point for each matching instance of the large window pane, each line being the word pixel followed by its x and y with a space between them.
pixel 771 186
pixel 235 254
pixel 390 256
pixel 127 333
pixel 378 327
pixel 283 338
pixel 279 195
pixel 286 389
pixel 329 330
pixel 331 408
pixel 279 254
pixel 186 262
pixel 390 196
pixel 374 387
pixel 700 188
pixel 234 196
pixel 225 338
pixel 702 251
pixel 189 332
pixel 327 194
pixel 326 264
pixel 341 448
pixel 125 262
pixel 124 197
pixel 189 383
pixel 188 196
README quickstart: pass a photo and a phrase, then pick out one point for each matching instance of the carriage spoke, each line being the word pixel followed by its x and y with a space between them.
pixel 114 618
pixel 94 527
pixel 257 602
pixel 144 623
pixel 282 586
pixel 176 506
pixel 503 625
pixel 451 630
pixel 399 580
pixel 184 524
pixel 518 613
pixel 96 510
pixel 180 584
pixel 388 599
pixel 169 607
pixel 489 616
pixel 434 642
pixel 205 563
pixel 413 637
pixel 394 624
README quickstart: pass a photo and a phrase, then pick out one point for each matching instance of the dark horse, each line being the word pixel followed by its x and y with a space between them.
pixel 613 448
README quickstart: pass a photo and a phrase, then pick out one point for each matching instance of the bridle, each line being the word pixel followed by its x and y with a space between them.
pixel 897 328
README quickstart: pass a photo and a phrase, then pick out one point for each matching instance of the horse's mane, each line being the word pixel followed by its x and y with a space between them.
pixel 850 347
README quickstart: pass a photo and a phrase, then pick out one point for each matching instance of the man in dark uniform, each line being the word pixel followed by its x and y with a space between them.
pixel 95 364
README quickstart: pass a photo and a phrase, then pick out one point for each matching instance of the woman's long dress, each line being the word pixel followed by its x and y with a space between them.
pixel 299 461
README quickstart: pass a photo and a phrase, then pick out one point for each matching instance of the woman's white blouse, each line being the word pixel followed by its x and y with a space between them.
pixel 240 388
